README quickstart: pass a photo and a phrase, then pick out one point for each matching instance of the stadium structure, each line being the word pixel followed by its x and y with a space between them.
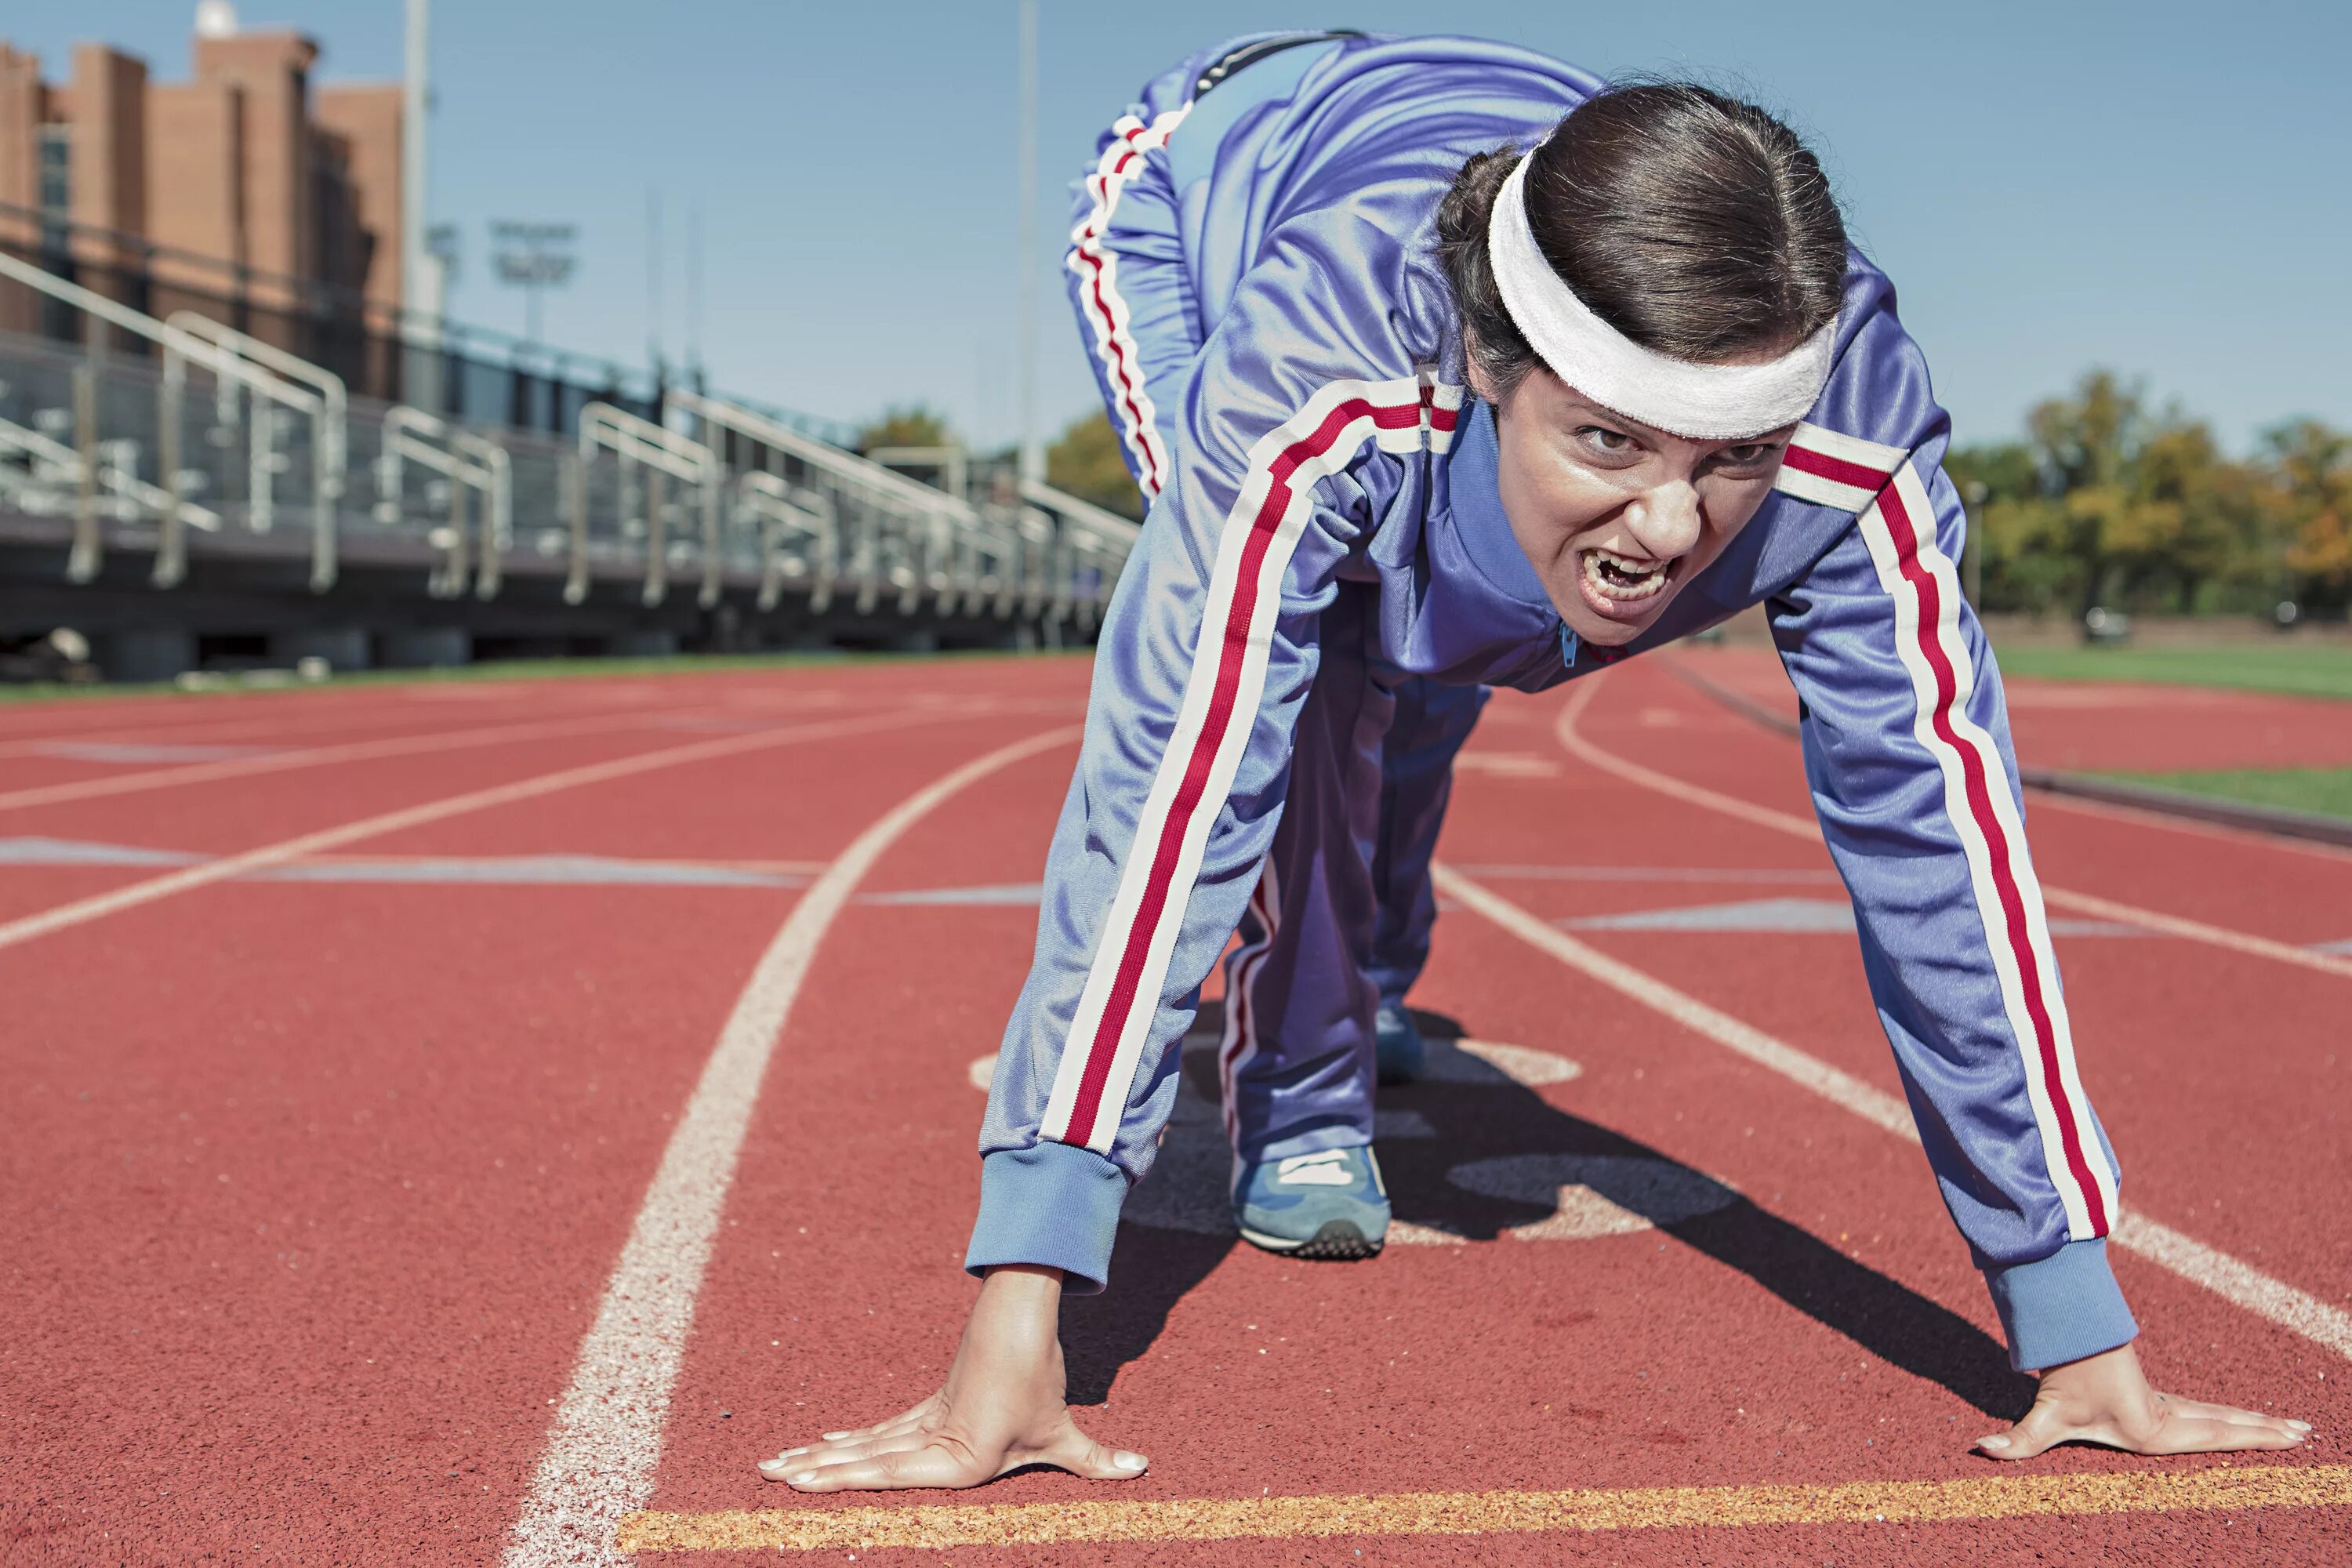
pixel 254 454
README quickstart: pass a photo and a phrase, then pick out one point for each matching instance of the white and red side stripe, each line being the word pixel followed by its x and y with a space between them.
pixel 1883 486
pixel 1830 469
pixel 1240 1040
pixel 1105 310
pixel 1213 728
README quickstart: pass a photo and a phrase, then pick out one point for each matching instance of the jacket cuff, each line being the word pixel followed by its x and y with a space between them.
pixel 2061 1307
pixel 1051 1203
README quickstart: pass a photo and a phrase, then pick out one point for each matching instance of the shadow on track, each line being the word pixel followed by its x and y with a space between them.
pixel 1473 1154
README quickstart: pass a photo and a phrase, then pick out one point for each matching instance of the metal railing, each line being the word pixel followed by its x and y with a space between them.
pixel 53 470
pixel 465 462
pixel 775 507
pixel 238 379
pixel 133 432
pixel 660 452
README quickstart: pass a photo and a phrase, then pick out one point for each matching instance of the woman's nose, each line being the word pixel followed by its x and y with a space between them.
pixel 1666 519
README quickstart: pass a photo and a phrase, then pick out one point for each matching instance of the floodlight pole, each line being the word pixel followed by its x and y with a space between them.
pixel 421 281
pixel 1033 466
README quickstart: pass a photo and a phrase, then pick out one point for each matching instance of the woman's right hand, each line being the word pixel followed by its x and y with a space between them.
pixel 1002 1406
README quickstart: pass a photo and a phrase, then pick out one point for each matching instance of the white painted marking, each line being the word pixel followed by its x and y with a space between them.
pixel 1507 764
pixel 36 850
pixel 1805 827
pixel 1404 1233
pixel 1002 895
pixel 1800 917
pixel 1593 1196
pixel 1646 874
pixel 149 752
pixel 317 756
pixel 2236 1282
pixel 98 906
pixel 1522 1065
pixel 607 1436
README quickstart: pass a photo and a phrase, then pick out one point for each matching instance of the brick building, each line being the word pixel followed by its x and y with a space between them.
pixel 245 171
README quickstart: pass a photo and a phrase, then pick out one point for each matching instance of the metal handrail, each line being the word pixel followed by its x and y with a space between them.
pixel 939 529
pixel 138 497
pixel 662 451
pixel 777 504
pixel 329 454
pixel 464 459
pixel 1086 529
pixel 227 366
pixel 817 454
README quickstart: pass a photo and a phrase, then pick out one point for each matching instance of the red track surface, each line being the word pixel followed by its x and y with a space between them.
pixel 312 1188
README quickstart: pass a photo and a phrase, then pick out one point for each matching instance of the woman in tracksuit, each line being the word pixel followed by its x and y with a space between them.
pixel 1447 366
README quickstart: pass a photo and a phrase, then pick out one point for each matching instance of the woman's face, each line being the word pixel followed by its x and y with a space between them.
pixel 1615 515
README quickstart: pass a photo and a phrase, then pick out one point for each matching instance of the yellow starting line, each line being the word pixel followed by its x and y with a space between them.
pixel 1482 1513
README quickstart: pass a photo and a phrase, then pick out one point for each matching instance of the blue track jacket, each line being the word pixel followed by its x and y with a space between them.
pixel 1322 435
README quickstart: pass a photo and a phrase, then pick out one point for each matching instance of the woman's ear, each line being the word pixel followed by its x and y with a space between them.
pixel 1481 383
pixel 1473 369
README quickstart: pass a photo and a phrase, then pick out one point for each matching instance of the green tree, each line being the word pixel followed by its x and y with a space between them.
pixel 913 425
pixel 2308 503
pixel 2110 502
pixel 1085 461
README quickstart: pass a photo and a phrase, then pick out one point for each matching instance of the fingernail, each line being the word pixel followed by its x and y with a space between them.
pixel 2300 1426
pixel 789 1452
pixel 1126 1461
pixel 1996 1441
pixel 834 1437
pixel 804 1478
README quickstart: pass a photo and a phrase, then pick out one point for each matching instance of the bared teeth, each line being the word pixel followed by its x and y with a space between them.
pixel 1622 578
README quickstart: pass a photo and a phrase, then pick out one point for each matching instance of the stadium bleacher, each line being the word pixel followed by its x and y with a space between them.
pixel 186 490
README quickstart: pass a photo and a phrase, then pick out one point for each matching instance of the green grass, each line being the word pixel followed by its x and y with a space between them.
pixel 525 669
pixel 2293 668
pixel 2327 791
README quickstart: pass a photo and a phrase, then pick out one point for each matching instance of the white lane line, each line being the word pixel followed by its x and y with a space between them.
pixel 1807 828
pixel 607 1435
pixel 316 756
pixel 82 911
pixel 2239 1283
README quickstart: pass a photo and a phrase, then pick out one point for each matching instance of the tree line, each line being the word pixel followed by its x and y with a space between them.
pixel 2108 500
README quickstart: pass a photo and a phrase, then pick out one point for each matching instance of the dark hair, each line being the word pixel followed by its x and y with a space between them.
pixel 1696 225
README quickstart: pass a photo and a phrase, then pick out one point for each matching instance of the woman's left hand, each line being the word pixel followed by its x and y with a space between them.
pixel 2105 1399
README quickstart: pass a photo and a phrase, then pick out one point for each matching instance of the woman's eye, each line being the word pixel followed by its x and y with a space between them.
pixel 1601 439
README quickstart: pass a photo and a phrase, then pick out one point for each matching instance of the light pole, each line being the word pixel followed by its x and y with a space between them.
pixel 422 283
pixel 534 257
pixel 1032 459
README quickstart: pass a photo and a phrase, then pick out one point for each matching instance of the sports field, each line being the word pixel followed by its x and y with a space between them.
pixel 2292 668
pixel 474 1121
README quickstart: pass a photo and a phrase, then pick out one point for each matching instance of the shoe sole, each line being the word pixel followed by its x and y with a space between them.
pixel 1337 1242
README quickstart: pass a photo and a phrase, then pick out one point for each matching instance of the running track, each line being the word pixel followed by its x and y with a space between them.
pixel 374 1056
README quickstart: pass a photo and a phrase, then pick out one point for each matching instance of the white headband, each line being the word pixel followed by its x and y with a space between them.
pixel 1705 402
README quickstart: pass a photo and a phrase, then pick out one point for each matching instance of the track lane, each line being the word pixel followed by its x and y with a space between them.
pixel 1571 1325
pixel 1658 1366
pixel 282 851
pixel 2149 1015
pixel 2282 889
pixel 436 1109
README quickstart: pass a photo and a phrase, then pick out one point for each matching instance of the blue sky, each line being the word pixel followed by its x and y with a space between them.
pixel 2159 188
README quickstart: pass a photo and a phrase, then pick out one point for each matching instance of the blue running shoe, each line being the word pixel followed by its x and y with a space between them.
pixel 1397 1054
pixel 1330 1205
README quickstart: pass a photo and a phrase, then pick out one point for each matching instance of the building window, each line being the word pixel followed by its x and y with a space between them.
pixel 57 186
